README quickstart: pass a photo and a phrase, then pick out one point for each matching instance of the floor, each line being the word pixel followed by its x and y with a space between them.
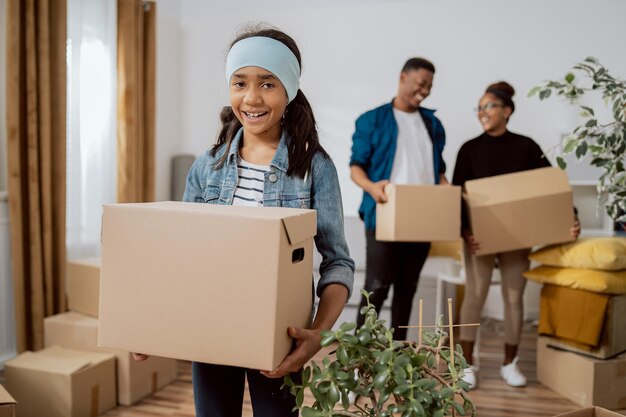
pixel 493 397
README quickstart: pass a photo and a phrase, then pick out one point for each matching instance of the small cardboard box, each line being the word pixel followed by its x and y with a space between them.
pixel 583 380
pixel 207 283
pixel 83 282
pixel 590 412
pixel 613 332
pixel 7 403
pixel 419 213
pixel 59 382
pixel 135 380
pixel 520 210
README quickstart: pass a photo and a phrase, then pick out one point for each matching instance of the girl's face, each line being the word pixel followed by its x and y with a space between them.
pixel 258 100
pixel 492 114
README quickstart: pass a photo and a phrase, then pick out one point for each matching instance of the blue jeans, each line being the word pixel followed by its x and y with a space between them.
pixel 398 264
pixel 218 392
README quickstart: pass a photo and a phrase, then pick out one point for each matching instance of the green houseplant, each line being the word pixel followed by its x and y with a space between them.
pixel 392 377
pixel 605 142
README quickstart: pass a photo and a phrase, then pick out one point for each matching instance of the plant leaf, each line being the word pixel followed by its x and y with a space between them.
pixel 533 91
pixel 581 150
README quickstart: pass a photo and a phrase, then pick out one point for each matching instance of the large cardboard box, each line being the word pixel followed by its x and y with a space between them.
pixel 83 282
pixel 208 283
pixel 7 403
pixel 585 381
pixel 590 412
pixel 59 382
pixel 520 210
pixel 419 213
pixel 135 380
pixel 613 338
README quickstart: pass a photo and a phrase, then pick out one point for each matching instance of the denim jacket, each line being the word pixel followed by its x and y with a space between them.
pixel 374 148
pixel 319 190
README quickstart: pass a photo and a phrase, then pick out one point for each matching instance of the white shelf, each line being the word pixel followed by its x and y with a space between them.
pixel 596 232
pixel 583 183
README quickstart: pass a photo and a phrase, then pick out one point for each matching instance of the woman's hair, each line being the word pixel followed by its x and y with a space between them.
pixel 504 91
pixel 298 120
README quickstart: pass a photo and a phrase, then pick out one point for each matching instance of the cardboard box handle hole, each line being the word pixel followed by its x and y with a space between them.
pixel 297 255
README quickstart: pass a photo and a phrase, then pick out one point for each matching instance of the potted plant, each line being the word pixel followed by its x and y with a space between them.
pixel 391 377
pixel 604 141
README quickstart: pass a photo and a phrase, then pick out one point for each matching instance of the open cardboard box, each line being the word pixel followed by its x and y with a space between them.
pixel 613 337
pixel 520 210
pixel 419 213
pixel 59 382
pixel 7 403
pixel 207 283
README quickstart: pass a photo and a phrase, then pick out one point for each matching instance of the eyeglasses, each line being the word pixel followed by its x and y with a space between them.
pixel 487 107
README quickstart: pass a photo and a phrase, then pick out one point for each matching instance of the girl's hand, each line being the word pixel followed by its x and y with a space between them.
pixel 308 343
pixel 574 231
pixel 474 246
pixel 140 357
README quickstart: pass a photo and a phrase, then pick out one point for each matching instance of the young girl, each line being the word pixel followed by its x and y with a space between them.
pixel 268 154
pixel 497 151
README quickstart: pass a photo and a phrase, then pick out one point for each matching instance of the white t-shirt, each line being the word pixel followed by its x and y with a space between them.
pixel 413 161
pixel 250 184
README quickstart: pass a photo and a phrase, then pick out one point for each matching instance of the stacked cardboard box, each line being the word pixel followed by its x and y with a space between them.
pixel 135 380
pixel 584 380
pixel 7 403
pixel 59 382
pixel 590 412
pixel 83 285
pixel 207 282
pixel 562 334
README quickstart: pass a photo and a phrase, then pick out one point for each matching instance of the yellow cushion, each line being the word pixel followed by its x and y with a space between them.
pixel 605 253
pixel 607 282
pixel 448 249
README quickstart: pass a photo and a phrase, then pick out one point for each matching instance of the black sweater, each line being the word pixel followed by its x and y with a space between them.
pixel 486 156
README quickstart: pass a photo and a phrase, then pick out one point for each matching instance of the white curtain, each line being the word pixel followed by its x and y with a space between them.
pixel 91 112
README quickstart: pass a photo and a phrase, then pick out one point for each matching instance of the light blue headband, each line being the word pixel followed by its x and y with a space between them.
pixel 268 54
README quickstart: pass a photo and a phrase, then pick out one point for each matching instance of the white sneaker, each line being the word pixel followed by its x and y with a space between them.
pixel 512 375
pixel 470 375
pixel 352 397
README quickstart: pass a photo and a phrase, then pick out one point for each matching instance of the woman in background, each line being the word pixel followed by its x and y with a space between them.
pixel 496 151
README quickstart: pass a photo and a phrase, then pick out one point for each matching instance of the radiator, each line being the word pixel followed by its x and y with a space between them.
pixel 7 311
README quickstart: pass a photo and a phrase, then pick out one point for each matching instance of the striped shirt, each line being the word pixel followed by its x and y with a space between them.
pixel 249 191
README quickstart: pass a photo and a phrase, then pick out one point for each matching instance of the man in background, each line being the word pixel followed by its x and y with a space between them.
pixel 402 143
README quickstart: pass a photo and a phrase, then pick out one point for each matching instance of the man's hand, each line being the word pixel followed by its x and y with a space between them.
pixel 308 343
pixel 377 191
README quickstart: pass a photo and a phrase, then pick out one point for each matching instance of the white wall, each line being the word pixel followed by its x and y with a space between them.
pixel 353 51
pixel 3 109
